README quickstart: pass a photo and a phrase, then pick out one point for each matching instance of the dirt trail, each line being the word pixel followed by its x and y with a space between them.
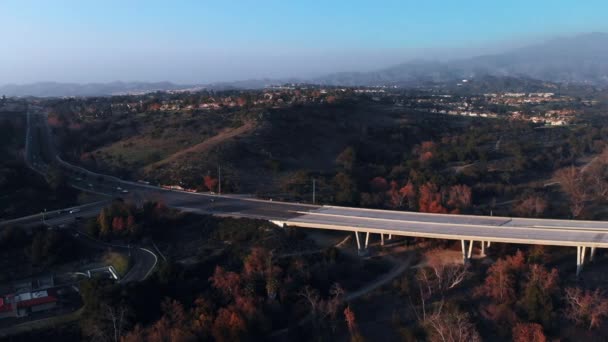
pixel 205 145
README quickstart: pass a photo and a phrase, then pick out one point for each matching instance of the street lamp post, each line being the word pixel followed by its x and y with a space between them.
pixel 219 180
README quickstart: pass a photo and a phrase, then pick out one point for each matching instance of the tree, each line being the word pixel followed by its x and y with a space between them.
pixel 528 332
pixel 202 317
pixel 174 325
pixel 572 183
pixel 104 221
pixel 56 178
pixel 537 298
pixel 426 152
pixel 443 276
pixel 586 307
pixel 321 309
pixel 258 263
pixel 596 175
pixel 210 182
pixel 118 224
pixel 501 281
pixel 395 199
pixel 430 199
pixel 378 184
pixel 347 159
pixel 408 192
pixel 351 323
pixel 459 197
pixel 229 325
pixel 345 188
pixel 227 283
pixel 111 323
pixel 531 206
pixel 452 326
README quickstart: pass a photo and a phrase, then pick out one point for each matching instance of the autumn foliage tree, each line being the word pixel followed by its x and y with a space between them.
pixel 528 332
pixel 210 182
pixel 408 195
pixel 531 206
pixel 351 323
pixel 430 199
pixel 500 284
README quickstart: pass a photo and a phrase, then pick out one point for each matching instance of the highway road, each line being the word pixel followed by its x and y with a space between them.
pixel 573 233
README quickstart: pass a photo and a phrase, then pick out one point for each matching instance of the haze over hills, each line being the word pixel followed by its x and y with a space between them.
pixel 577 59
pixel 56 89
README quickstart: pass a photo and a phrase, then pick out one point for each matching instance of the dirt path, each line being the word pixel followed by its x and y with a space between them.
pixel 400 267
pixel 206 145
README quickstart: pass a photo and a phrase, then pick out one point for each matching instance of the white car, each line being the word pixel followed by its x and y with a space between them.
pixel 125 191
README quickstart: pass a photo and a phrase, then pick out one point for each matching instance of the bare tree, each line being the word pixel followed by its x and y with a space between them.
pixel 112 323
pixel 573 184
pixel 596 175
pixel 320 308
pixel 586 307
pixel 446 275
pixel 454 326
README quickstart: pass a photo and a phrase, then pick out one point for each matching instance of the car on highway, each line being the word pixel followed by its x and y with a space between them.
pixel 90 185
pixel 75 210
pixel 125 191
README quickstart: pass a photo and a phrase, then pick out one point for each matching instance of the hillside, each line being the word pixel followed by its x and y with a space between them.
pixel 578 59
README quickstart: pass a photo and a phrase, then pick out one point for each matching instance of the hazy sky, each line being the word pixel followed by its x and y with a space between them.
pixel 202 41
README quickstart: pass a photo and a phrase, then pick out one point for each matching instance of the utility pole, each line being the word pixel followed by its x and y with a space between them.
pixel 219 180
pixel 314 183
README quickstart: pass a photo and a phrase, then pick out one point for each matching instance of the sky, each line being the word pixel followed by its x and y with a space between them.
pixel 202 41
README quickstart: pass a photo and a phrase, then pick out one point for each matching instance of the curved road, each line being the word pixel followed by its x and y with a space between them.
pixel 454 227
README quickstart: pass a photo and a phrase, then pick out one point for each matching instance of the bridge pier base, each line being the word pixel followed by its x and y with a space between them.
pixel 362 251
pixel 467 250
pixel 484 245
pixel 580 258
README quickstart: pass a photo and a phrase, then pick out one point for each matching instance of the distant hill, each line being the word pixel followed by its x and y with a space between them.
pixel 578 59
pixel 54 89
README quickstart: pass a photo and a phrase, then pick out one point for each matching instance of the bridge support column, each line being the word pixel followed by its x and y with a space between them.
pixel 390 236
pixel 591 253
pixel 470 249
pixel 580 258
pixel 484 245
pixel 465 254
pixel 381 239
pixel 362 251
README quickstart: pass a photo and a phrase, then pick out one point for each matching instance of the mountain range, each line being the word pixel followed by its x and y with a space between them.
pixel 581 59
